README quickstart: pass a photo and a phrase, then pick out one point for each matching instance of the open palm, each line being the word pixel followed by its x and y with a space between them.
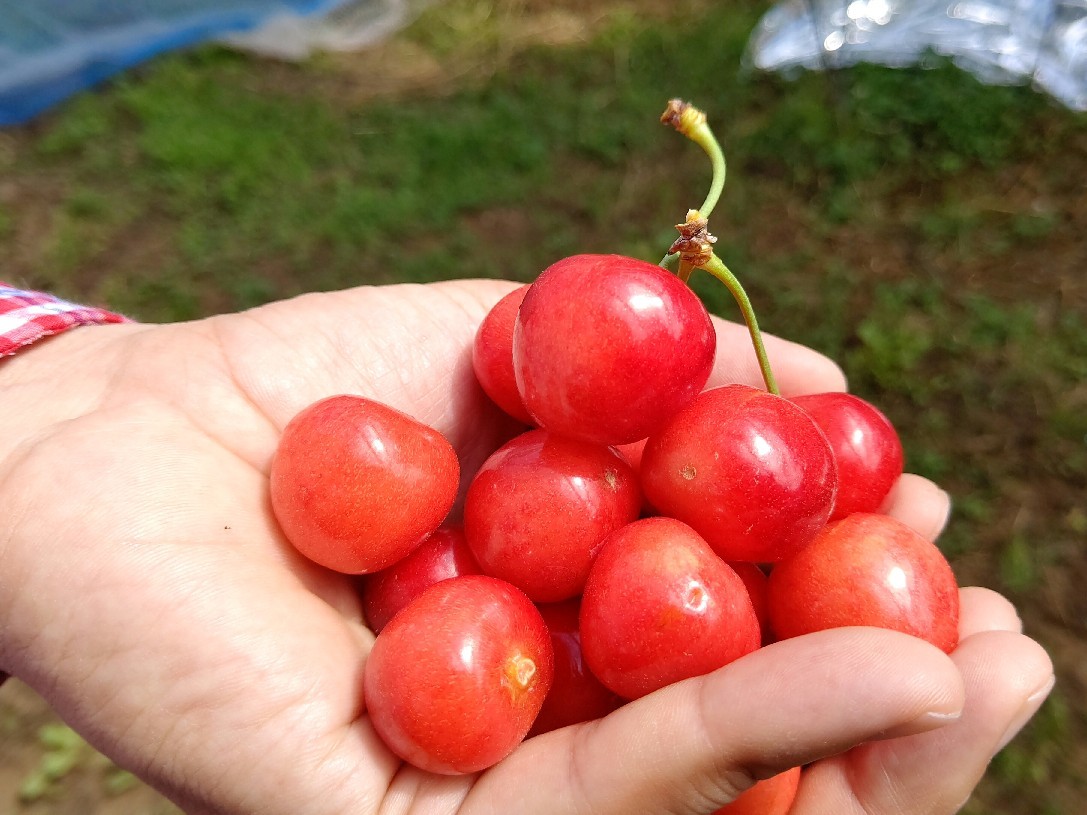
pixel 147 593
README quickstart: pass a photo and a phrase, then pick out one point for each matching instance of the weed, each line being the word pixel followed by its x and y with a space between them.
pixel 63 751
pixel 1019 567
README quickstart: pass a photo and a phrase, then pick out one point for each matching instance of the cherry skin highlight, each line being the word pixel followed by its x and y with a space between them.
pixel 455 680
pixel 356 485
pixel 540 507
pixel 443 555
pixel 576 695
pixel 660 606
pixel 771 796
pixel 867 569
pixel 606 348
pixel 750 471
pixel 866 448
pixel 492 355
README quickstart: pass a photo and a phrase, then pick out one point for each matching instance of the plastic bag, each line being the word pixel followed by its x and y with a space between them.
pixel 999 41
pixel 354 25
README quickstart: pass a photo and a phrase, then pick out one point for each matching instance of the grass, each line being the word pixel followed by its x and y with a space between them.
pixel 921 228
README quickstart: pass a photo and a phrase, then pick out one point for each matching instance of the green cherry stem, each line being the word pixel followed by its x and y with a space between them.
pixel 719 270
pixel 691 122
pixel 701 135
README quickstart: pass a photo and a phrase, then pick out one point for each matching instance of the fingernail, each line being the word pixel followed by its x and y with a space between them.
pixel 931 720
pixel 1030 707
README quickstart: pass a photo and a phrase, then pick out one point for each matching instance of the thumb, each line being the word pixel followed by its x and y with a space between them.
pixel 694 746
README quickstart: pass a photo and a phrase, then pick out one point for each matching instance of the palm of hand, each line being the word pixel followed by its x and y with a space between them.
pixel 199 650
pixel 191 616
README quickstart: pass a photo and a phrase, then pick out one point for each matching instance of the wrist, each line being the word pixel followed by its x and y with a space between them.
pixel 44 387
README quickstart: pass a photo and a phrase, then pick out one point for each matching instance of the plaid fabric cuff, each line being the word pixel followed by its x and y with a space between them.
pixel 26 316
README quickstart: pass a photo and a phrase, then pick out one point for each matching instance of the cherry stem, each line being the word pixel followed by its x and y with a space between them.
pixel 719 270
pixel 691 122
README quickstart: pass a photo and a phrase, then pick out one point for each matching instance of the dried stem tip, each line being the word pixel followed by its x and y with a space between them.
pixel 695 243
pixel 683 116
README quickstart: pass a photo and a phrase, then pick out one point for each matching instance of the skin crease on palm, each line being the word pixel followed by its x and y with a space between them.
pixel 147 595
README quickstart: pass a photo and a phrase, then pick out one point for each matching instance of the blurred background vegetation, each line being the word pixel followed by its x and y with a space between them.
pixel 925 230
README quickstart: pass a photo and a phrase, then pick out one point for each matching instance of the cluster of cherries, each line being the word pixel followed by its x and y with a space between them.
pixel 641 531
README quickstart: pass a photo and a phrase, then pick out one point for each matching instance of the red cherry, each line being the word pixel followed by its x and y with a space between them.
pixel 606 348
pixel 576 695
pixel 455 680
pixel 633 453
pixel 356 485
pixel 867 570
pixel 660 606
pixel 755 581
pixel 540 507
pixel 750 471
pixel 771 796
pixel 492 355
pixel 866 447
pixel 443 555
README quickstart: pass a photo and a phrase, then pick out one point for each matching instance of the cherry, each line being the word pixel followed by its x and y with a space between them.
pixel 866 448
pixel 356 485
pixel 771 796
pixel 443 555
pixel 455 680
pixel 576 695
pixel 540 507
pixel 867 569
pixel 756 583
pixel 492 355
pixel 633 453
pixel 660 606
pixel 606 348
pixel 750 471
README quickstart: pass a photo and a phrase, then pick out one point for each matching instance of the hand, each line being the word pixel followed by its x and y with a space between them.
pixel 147 594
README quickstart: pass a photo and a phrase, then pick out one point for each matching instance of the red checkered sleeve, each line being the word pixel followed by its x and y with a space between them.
pixel 26 316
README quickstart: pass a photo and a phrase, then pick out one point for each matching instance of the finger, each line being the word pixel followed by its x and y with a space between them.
pixel 919 504
pixel 983 609
pixel 693 746
pixel 1007 677
pixel 797 368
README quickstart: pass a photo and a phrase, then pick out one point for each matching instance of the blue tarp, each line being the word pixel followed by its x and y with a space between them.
pixel 51 49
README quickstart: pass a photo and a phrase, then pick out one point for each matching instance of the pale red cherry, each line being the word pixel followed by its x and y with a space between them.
pixel 455 680
pixel 755 581
pixel 771 796
pixel 576 695
pixel 443 555
pixel 356 485
pixel 866 448
pixel 540 507
pixel 871 570
pixel 750 471
pixel 633 453
pixel 492 355
pixel 660 606
pixel 606 348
